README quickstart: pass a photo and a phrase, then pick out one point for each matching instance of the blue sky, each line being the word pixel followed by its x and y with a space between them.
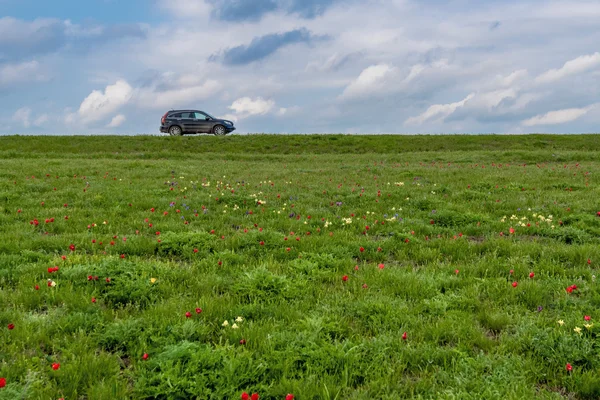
pixel 301 66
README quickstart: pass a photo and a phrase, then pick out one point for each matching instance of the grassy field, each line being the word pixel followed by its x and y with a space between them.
pixel 326 267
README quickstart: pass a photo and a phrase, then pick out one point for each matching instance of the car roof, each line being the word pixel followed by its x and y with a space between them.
pixel 174 111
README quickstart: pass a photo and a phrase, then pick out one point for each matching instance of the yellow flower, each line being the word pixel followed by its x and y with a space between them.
pixel 561 322
pixel 239 319
pixel 234 326
pixel 577 330
pixel 152 280
pixel 588 326
pixel 225 323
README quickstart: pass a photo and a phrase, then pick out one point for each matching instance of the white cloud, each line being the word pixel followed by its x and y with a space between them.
pixel 99 104
pixel 438 111
pixel 29 71
pixel 41 120
pixel 573 67
pixel 23 116
pixel 186 90
pixel 558 117
pixel 116 121
pixel 370 80
pixel 246 107
pixel 186 8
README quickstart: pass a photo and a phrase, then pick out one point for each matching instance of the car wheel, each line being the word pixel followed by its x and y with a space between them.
pixel 175 131
pixel 219 130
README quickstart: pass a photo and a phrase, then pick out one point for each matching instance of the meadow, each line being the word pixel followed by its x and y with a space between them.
pixel 300 267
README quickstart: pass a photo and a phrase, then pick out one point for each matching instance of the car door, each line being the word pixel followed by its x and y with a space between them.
pixel 202 122
pixel 187 122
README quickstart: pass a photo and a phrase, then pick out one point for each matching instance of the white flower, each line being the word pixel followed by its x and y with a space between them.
pixel 239 319
pixel 225 323
pixel 234 326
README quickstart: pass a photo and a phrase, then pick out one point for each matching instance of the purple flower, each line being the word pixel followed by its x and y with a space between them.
pixel 540 308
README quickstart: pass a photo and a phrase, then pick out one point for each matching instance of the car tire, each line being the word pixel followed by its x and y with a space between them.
pixel 219 130
pixel 175 131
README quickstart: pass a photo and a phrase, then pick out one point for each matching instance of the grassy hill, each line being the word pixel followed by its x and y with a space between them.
pixel 348 267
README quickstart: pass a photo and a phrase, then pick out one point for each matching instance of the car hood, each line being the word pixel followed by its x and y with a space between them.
pixel 223 120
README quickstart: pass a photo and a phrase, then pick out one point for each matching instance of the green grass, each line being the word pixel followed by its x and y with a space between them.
pixel 433 205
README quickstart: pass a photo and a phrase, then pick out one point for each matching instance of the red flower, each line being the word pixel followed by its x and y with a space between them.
pixel 198 310
pixel 569 367
pixel 511 230
pixel 242 341
pixel 356 267
pixel 531 275
pixel 287 249
pixel 345 278
pixel 456 271
pixel 145 356
pixel 362 249
pixel 2 382
pixel 90 277
pixel 514 284
pixel 188 314
pixel 122 255
pixel 589 261
pixel 404 336
pixel 262 243
pixel 289 396
pixel 512 271
pixel 37 287
pixel 381 266
pixel 365 286
pixel 254 396
pixel 72 247
pixel 245 396
pixel 195 250
pixel 93 299
pixel 107 280
pixel 11 327
pixel 55 366
pixel 587 318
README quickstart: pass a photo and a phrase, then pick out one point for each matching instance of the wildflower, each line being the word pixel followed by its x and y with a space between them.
pixel 198 310
pixel 242 341
pixel 381 266
pixel 188 314
pixel 588 326
pixel 145 356
pixel 404 336
pixel 55 366
pixel 93 299
pixel 577 330
pixel 587 318
pixel 245 396
pixel 234 326
pixel 561 322
pixel 152 280
pixel 361 249
pixel 11 327
pixel 531 275
pixel 2 382
pixel 515 284
pixel 225 323
pixel 345 278
pixel 239 319
pixel 568 367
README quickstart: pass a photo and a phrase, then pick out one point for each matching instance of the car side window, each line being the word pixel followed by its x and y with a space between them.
pixel 201 116
pixel 175 115
pixel 187 115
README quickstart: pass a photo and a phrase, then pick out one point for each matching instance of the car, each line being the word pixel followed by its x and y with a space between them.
pixel 180 122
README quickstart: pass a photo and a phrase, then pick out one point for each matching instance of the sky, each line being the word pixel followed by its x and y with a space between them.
pixel 301 66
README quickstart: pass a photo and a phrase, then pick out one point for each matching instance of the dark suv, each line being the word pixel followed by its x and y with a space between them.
pixel 179 122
